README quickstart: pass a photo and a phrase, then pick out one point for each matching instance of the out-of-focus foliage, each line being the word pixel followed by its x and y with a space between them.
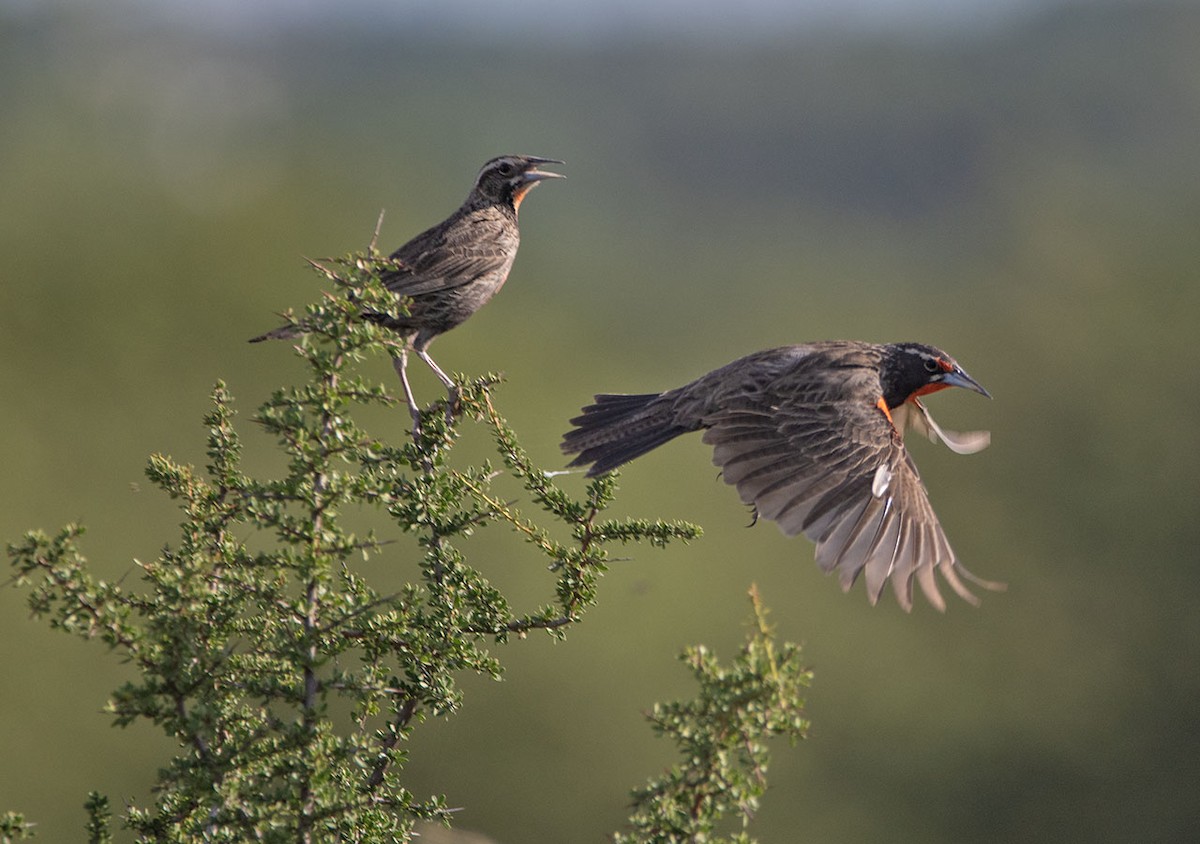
pixel 1026 197
pixel 14 827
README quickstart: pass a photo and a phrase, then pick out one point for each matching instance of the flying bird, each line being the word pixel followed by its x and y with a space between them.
pixel 812 437
pixel 448 272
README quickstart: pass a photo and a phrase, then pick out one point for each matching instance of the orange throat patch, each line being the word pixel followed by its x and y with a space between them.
pixel 882 405
pixel 519 194
pixel 929 388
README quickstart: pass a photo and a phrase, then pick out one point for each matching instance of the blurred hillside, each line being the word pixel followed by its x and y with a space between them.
pixel 1026 196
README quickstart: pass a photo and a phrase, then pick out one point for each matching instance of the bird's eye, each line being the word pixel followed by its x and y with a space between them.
pixel 932 365
pixel 506 168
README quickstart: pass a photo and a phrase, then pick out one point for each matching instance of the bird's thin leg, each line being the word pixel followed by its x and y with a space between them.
pixel 400 362
pixel 452 392
pixel 375 235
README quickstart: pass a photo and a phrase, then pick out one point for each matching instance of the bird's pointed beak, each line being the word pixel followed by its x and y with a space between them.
pixel 535 175
pixel 958 378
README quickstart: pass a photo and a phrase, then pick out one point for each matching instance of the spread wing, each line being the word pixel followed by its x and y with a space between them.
pixel 452 255
pixel 837 471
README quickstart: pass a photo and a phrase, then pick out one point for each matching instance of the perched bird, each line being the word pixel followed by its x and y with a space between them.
pixel 812 437
pixel 450 271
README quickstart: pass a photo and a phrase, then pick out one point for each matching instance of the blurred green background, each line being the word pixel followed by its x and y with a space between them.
pixel 1024 192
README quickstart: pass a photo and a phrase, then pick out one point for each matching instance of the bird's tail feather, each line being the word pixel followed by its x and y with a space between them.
pixel 283 332
pixel 618 428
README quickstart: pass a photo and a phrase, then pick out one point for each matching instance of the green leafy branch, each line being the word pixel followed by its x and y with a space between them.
pixel 722 738
pixel 291 682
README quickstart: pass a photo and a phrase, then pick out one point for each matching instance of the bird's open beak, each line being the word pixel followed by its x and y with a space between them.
pixel 535 175
pixel 958 378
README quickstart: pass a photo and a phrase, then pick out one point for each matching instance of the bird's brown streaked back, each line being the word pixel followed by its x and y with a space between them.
pixel 812 438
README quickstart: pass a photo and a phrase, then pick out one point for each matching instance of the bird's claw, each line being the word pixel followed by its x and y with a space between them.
pixel 415 413
pixel 453 403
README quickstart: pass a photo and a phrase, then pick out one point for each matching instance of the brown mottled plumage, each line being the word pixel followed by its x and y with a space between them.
pixel 450 271
pixel 812 437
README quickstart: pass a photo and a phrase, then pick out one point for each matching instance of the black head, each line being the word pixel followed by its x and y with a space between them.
pixel 914 369
pixel 508 178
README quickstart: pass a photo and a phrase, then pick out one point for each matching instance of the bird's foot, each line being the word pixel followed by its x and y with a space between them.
pixel 453 403
pixel 415 413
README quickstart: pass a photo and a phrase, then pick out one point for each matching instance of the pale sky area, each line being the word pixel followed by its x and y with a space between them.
pixel 580 18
